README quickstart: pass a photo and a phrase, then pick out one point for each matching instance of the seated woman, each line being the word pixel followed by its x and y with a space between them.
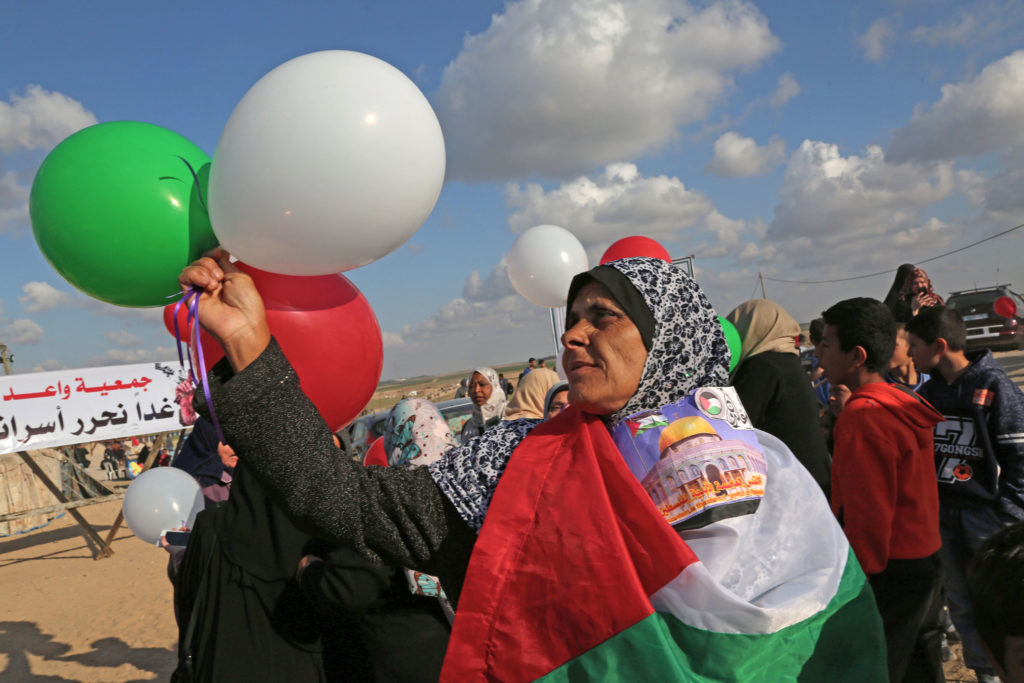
pixel 488 403
pixel 774 387
pixel 528 399
pixel 558 560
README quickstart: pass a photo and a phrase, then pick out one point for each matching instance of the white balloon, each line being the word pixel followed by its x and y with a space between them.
pixel 542 263
pixel 330 162
pixel 160 499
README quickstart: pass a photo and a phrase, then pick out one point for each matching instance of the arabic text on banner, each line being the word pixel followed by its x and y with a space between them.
pixel 48 409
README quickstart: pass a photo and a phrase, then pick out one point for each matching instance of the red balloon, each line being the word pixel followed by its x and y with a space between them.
pixel 375 454
pixel 328 331
pixel 182 320
pixel 1005 307
pixel 637 245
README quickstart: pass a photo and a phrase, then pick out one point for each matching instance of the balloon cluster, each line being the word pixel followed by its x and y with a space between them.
pixel 330 162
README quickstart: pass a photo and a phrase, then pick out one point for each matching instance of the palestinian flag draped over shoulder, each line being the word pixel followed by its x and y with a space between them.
pixel 576 574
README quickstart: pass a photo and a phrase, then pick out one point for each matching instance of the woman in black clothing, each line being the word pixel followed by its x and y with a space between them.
pixel 774 388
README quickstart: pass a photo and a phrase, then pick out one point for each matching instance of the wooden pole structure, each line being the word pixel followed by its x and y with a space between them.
pixel 760 276
pixel 5 358
pixel 103 549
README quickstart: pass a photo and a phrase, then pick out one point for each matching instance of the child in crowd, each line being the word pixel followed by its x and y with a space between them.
pixel 979 454
pixel 883 484
pixel 995 581
pixel 901 366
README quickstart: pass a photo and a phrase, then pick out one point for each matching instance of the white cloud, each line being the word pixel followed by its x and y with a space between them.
pixel 737 156
pixel 875 39
pixel 559 87
pixel 956 32
pixel 42 296
pixel 122 338
pixel 831 200
pixel 619 202
pixel 787 89
pixel 973 117
pixel 128 356
pixel 40 119
pixel 495 286
pixel 391 339
pixel 21 331
pixel 999 196
pixel 13 202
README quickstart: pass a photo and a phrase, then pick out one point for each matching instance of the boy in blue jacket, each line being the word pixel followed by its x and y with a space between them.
pixel 979 454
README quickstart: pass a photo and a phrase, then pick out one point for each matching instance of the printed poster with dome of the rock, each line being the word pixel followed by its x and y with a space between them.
pixel 698 458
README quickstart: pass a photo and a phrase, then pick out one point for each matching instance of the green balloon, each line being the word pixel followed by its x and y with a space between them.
pixel 732 338
pixel 117 210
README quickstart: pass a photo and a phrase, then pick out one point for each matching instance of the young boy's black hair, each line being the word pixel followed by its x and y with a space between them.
pixel 867 323
pixel 995 582
pixel 934 322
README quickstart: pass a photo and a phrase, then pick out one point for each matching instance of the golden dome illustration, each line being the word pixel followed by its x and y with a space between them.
pixel 684 428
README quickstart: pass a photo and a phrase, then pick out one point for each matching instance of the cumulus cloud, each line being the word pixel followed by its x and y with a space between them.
pixel 999 196
pixel 618 202
pixel 491 288
pixel 21 331
pixel 122 338
pixel 560 87
pixel 391 339
pixel 973 117
pixel 42 296
pixel 13 202
pixel 39 119
pixel 737 156
pixel 128 356
pixel 830 200
pixel 787 89
pixel 47 365
pixel 876 39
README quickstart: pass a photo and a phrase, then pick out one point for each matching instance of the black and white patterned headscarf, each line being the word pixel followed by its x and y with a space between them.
pixel 686 349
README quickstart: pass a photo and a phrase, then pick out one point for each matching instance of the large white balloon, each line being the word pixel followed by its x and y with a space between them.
pixel 330 161
pixel 161 499
pixel 542 263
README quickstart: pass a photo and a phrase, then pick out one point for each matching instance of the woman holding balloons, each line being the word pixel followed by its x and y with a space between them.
pixel 570 517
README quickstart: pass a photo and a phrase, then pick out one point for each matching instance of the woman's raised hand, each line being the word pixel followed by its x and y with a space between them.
pixel 230 308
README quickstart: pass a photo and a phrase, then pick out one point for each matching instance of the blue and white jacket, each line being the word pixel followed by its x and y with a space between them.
pixel 979 449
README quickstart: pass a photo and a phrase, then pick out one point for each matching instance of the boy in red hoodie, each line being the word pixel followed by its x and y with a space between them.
pixel 884 489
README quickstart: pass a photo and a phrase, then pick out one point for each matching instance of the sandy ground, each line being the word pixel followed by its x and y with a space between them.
pixel 67 617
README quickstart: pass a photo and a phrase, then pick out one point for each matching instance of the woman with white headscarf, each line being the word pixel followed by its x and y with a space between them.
pixel 488 403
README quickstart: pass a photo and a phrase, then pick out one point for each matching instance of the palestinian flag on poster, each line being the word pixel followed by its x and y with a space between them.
pixel 774 595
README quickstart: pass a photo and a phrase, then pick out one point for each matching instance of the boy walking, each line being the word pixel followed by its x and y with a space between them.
pixel 883 484
pixel 979 454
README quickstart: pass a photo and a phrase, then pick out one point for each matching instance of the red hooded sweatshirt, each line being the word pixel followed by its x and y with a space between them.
pixel 884 489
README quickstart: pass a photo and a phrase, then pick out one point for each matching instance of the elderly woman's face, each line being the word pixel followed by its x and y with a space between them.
pixel 479 389
pixel 559 401
pixel 604 353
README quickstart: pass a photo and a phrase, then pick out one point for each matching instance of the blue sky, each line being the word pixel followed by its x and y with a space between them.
pixel 804 140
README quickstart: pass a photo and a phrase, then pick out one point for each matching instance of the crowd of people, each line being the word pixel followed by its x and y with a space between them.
pixel 870 494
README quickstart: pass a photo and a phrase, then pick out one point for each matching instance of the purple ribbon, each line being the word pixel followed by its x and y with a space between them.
pixel 191 300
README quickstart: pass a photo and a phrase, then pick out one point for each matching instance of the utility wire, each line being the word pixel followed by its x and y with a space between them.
pixel 893 270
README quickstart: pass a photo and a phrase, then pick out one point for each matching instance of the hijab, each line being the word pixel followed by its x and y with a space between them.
pixel 556 389
pixel 495 405
pixel 528 401
pixel 899 282
pixel 416 434
pixel 764 326
pixel 199 455
pixel 686 350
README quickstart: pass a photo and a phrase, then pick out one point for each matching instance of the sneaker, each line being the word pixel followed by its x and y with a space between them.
pixel 987 677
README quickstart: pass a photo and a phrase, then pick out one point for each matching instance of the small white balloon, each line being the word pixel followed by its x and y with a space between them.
pixel 330 162
pixel 161 499
pixel 542 263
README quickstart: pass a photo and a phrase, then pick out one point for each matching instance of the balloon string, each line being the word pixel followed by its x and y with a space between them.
pixel 191 300
pixel 195 177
